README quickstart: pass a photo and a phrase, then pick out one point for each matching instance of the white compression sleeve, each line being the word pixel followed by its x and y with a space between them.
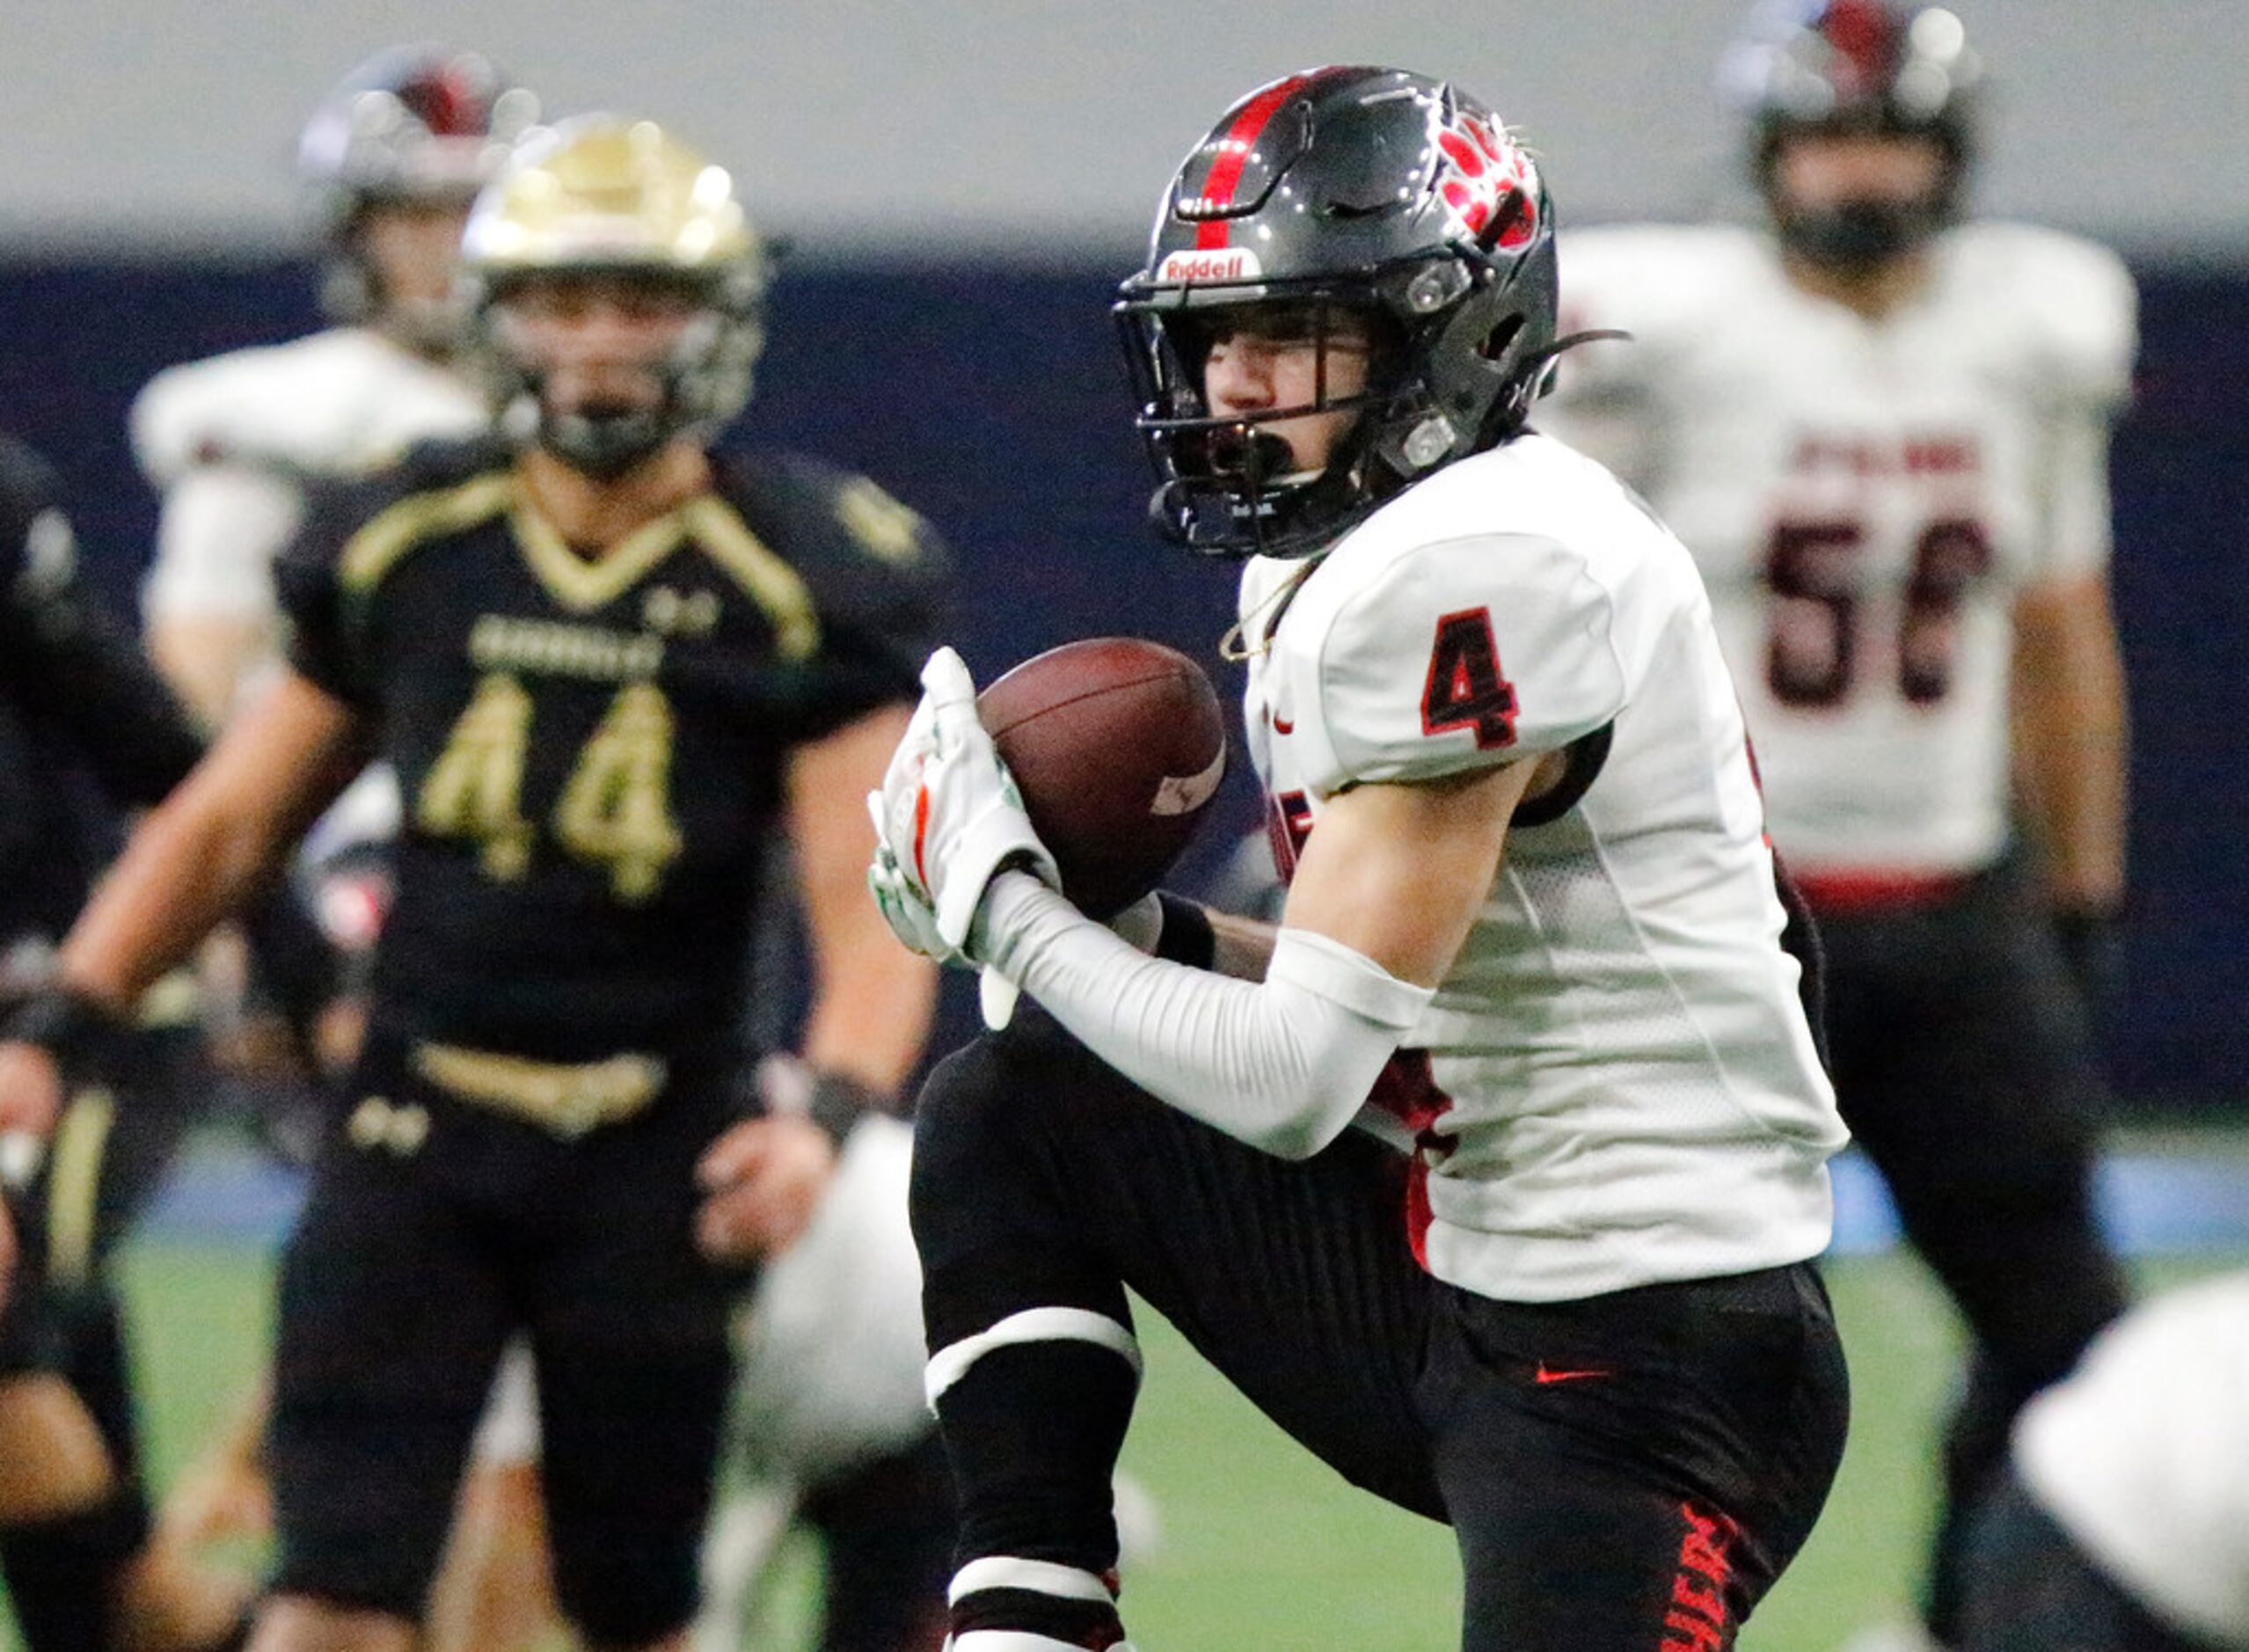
pixel 1281 1064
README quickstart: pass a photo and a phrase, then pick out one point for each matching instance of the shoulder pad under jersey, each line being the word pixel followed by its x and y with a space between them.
pixel 1408 658
pixel 1658 282
pixel 2069 304
pixel 337 402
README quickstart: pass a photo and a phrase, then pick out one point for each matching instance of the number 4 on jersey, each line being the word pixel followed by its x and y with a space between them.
pixel 1465 689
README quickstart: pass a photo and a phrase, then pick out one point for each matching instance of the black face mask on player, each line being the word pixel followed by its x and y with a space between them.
pixel 699 383
pixel 1857 236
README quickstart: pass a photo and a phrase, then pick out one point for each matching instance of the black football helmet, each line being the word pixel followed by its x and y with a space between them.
pixel 1877 66
pixel 1398 199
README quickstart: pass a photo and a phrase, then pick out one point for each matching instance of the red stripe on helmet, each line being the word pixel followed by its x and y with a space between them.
pixel 1234 154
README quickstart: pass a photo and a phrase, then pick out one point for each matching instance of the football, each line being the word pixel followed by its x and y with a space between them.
pixel 1118 746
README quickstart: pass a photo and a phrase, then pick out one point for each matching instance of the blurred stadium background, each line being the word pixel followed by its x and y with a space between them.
pixel 962 181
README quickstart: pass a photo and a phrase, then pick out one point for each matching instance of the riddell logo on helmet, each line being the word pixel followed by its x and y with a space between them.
pixel 1222 264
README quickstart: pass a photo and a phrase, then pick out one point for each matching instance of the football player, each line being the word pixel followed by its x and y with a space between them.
pixel 1555 1287
pixel 1882 427
pixel 605 665
pixel 87 728
pixel 388 166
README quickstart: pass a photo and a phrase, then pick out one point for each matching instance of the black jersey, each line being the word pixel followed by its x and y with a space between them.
pixel 592 749
pixel 86 723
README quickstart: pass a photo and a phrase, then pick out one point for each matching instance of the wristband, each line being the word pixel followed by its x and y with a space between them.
pixel 69 1025
pixel 837 1101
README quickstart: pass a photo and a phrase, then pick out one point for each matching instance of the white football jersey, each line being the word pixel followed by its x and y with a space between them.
pixel 1865 499
pixel 232 441
pixel 1616 1084
pixel 2143 1455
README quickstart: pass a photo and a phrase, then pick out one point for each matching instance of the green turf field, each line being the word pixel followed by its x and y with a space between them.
pixel 1261 1546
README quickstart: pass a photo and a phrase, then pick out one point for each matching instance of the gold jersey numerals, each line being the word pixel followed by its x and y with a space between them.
pixel 616 809
pixel 475 788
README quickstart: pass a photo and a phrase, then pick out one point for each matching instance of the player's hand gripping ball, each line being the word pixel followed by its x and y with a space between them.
pixel 947 819
pixel 1091 765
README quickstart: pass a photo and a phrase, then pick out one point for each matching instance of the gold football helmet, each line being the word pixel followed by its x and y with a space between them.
pixel 601 195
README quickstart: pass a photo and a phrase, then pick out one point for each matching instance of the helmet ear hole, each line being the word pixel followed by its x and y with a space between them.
pixel 1500 339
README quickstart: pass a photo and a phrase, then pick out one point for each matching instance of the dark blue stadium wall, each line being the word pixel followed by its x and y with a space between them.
pixel 992 401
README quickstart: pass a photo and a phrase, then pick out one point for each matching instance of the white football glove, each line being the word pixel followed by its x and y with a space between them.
pixel 949 813
pixel 903 906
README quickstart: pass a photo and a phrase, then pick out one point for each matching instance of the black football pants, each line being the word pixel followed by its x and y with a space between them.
pixel 1626 1471
pixel 1963 1067
pixel 417 1255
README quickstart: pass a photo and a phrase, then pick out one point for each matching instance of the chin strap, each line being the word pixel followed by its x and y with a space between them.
pixel 605 446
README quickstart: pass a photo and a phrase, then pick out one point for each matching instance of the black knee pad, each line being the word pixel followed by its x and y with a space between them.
pixel 1008 1141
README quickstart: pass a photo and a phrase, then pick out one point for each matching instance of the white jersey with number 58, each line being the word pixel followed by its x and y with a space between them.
pixel 1865 499
pixel 1616 1084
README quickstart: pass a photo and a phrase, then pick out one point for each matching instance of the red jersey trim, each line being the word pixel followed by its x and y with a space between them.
pixel 1854 893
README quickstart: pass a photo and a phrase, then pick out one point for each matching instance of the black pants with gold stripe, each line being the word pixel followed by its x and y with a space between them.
pixel 112 1147
pixel 437 1227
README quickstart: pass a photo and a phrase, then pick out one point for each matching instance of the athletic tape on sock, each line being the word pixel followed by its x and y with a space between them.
pixel 1040 1577
pixel 949 1364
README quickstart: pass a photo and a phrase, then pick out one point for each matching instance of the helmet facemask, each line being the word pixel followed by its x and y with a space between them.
pixel 360 285
pixel 1864 69
pixel 1451 366
pixel 699 382
pixel 1860 231
pixel 624 214
pixel 1234 480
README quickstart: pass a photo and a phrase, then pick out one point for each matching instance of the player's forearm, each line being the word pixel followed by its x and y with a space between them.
pixel 204 659
pixel 870 1013
pixel 2072 737
pixel 1281 1064
pixel 189 867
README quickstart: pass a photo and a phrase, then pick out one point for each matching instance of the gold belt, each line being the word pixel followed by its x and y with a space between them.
pixel 564 1098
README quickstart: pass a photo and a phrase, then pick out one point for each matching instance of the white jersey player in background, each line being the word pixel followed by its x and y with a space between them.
pixel 1882 430
pixel 390 164
pixel 1556 1291
pixel 2122 1524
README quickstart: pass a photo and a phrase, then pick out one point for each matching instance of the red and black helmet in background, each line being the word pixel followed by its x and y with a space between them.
pixel 1391 195
pixel 418 125
pixel 1856 66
